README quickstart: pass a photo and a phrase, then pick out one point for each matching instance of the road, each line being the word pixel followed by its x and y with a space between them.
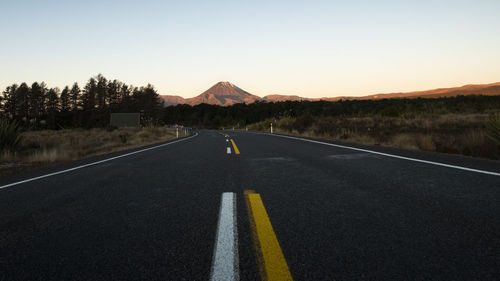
pixel 332 213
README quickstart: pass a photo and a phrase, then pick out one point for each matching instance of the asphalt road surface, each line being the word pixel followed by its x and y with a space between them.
pixel 336 214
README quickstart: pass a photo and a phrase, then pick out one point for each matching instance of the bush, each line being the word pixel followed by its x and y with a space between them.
pixel 303 122
pixel 286 123
pixel 326 126
pixel 9 135
pixel 123 138
pixel 493 128
pixel 156 131
pixel 391 111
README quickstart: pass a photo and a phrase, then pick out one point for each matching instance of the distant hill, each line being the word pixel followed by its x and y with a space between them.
pixel 173 100
pixel 225 94
pixel 477 89
pixel 222 93
pixel 278 98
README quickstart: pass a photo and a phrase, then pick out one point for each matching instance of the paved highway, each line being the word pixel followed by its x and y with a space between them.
pixel 237 206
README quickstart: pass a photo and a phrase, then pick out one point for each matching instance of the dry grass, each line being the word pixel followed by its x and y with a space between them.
pixel 466 134
pixel 39 147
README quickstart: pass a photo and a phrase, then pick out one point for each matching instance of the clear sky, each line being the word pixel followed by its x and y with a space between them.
pixel 308 48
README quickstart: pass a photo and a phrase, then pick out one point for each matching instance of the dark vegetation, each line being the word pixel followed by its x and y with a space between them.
pixel 467 125
pixel 241 115
pixel 41 125
pixel 9 135
pixel 39 107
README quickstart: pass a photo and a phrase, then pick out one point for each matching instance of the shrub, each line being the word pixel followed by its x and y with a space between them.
pixel 425 142
pixel 123 138
pixel 326 126
pixel 493 128
pixel 9 135
pixel 156 131
pixel 303 122
pixel 286 123
pixel 391 111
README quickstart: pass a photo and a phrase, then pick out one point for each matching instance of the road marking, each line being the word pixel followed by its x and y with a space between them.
pixel 389 155
pixel 270 258
pixel 95 163
pixel 236 150
pixel 225 266
pixel 255 241
pixel 228 150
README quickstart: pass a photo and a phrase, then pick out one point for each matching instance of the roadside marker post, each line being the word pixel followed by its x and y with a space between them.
pixel 271 127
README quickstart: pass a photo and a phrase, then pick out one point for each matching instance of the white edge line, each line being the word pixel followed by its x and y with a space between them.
pixel 228 150
pixel 387 154
pixel 225 260
pixel 94 163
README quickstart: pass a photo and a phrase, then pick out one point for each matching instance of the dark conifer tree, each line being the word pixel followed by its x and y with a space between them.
pixel 22 102
pixel 114 94
pixel 101 91
pixel 37 97
pixel 89 95
pixel 10 101
pixel 75 96
pixel 52 101
pixel 147 101
pixel 65 100
pixel 52 106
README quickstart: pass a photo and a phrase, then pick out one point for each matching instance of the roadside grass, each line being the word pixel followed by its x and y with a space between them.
pixel 39 148
pixel 9 135
pixel 467 134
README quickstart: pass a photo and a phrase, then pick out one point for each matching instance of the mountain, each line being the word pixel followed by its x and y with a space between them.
pixel 172 100
pixel 278 98
pixel 225 93
pixel 472 89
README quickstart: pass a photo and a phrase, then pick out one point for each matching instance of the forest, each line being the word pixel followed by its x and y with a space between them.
pixel 241 115
pixel 39 107
pixel 36 107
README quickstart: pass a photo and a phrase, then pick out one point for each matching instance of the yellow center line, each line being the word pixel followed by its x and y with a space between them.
pixel 270 258
pixel 235 147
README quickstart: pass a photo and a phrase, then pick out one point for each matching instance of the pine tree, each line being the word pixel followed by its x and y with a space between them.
pixel 52 106
pixel 22 102
pixel 114 94
pixel 101 90
pixel 75 96
pixel 89 94
pixel 9 101
pixel 37 95
pixel 52 100
pixel 65 99
pixel 147 101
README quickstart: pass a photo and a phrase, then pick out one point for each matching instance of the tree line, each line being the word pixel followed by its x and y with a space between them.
pixel 241 115
pixel 38 106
